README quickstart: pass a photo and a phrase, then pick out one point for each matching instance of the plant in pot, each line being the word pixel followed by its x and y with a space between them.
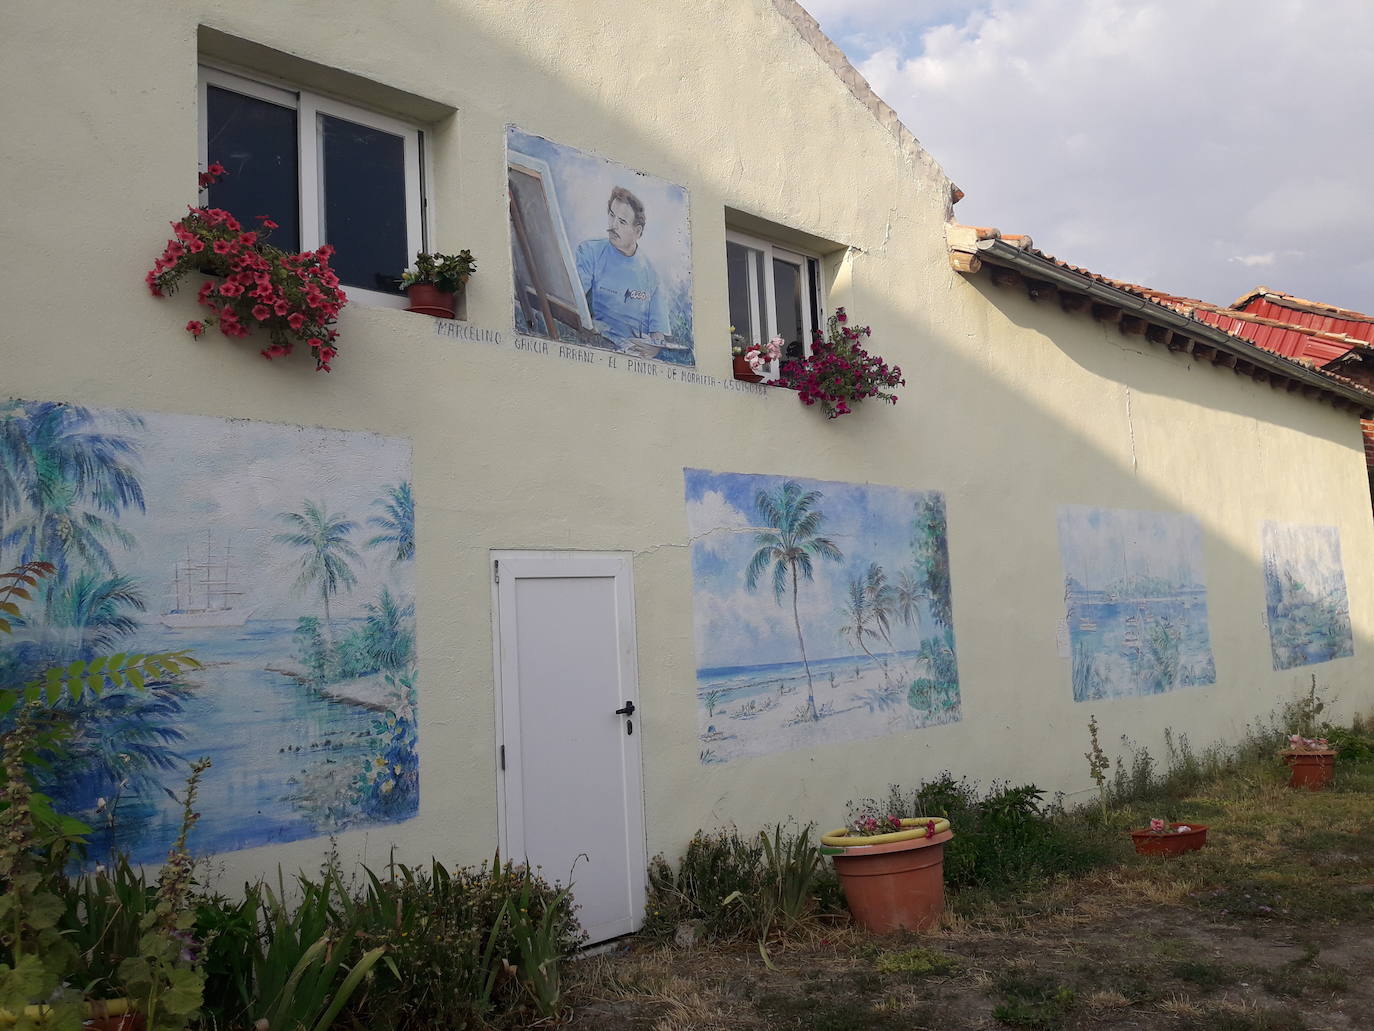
pixel 839 372
pixel 1169 839
pixel 293 298
pixel 1311 762
pixel 891 868
pixel 432 283
pixel 751 360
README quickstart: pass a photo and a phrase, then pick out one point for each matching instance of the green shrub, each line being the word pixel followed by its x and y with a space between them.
pixel 452 939
pixel 736 887
pixel 1005 838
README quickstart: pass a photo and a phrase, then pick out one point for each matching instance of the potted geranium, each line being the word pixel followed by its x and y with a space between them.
pixel 839 373
pixel 891 869
pixel 294 298
pixel 432 283
pixel 1311 760
pixel 1169 839
pixel 751 360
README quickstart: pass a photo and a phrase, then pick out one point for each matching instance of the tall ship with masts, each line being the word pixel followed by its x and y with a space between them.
pixel 205 592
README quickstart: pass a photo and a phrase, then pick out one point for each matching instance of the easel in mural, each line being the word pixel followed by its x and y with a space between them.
pixel 545 270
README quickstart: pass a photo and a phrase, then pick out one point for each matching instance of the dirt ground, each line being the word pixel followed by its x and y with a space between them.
pixel 1271 928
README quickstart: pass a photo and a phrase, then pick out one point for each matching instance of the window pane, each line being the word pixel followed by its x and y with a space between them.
pixel 256 143
pixel 787 294
pixel 744 272
pixel 364 209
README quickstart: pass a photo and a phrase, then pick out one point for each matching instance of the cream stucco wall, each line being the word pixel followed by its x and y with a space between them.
pixel 1010 409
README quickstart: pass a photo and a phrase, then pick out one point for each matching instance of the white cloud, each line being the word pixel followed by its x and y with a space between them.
pixel 713 522
pixel 1255 260
pixel 1149 141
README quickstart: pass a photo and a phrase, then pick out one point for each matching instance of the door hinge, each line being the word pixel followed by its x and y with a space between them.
pixel 503 757
pixel 496 570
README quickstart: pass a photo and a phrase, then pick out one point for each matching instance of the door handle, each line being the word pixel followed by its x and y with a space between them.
pixel 629 710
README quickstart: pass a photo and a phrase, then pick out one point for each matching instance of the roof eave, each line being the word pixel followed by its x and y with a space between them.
pixel 1000 252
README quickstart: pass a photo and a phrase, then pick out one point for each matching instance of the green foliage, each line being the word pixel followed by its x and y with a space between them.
pixel 106 672
pixel 1351 744
pixel 34 956
pixel 300 976
pixel 1032 1001
pixel 163 975
pixel 448 272
pixel 1004 839
pixel 103 920
pixel 917 962
pixel 228 933
pixel 737 887
pixel 462 946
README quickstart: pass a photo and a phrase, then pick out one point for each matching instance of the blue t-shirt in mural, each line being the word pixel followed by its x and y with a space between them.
pixel 622 291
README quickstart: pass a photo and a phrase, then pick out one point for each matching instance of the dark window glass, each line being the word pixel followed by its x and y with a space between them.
pixel 743 264
pixel 256 143
pixel 787 294
pixel 364 211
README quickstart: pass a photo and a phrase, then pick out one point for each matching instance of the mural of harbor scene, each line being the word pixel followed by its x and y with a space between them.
pixel 1304 587
pixel 821 612
pixel 280 557
pixel 1136 597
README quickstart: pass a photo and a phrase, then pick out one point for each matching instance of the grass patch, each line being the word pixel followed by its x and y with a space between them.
pixel 1205 976
pixel 917 962
pixel 1031 1001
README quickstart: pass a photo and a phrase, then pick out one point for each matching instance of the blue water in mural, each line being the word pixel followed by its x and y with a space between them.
pixel 306 747
pixel 1143 646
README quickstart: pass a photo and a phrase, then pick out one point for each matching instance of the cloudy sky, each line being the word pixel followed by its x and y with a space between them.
pixel 1201 147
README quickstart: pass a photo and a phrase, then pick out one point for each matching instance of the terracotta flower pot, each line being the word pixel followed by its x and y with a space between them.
pixel 899 886
pixel 1148 843
pixel 742 371
pixel 428 299
pixel 1310 770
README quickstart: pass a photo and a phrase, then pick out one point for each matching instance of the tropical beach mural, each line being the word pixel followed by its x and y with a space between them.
pixel 822 612
pixel 1304 586
pixel 1136 597
pixel 280 557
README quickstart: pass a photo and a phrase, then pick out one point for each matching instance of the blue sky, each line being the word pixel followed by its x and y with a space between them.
pixel 1202 147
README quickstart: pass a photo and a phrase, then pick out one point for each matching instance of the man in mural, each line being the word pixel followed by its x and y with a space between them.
pixel 622 287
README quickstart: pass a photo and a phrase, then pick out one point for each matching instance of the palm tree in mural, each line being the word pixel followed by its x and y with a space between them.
pixel 64 481
pixel 881 603
pixel 906 598
pixel 398 522
pixel 788 545
pixel 323 537
pixel 95 610
pixel 858 626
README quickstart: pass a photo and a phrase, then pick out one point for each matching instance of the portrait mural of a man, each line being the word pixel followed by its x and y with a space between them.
pixel 601 253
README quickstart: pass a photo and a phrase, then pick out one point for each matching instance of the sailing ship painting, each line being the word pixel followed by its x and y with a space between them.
pixel 1304 583
pixel 281 557
pixel 204 593
pixel 1136 602
pixel 822 612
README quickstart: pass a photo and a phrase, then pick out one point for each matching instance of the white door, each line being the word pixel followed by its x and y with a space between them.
pixel 569 788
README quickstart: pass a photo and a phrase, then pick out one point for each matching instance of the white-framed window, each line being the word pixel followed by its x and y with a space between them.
pixel 774 291
pixel 323 170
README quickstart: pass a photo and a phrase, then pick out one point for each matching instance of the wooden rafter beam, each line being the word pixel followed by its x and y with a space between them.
pixel 1181 342
pixel 1133 325
pixel 1106 313
pixel 961 261
pixel 1157 334
pixel 1203 351
pixel 1073 303
pixel 1225 359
